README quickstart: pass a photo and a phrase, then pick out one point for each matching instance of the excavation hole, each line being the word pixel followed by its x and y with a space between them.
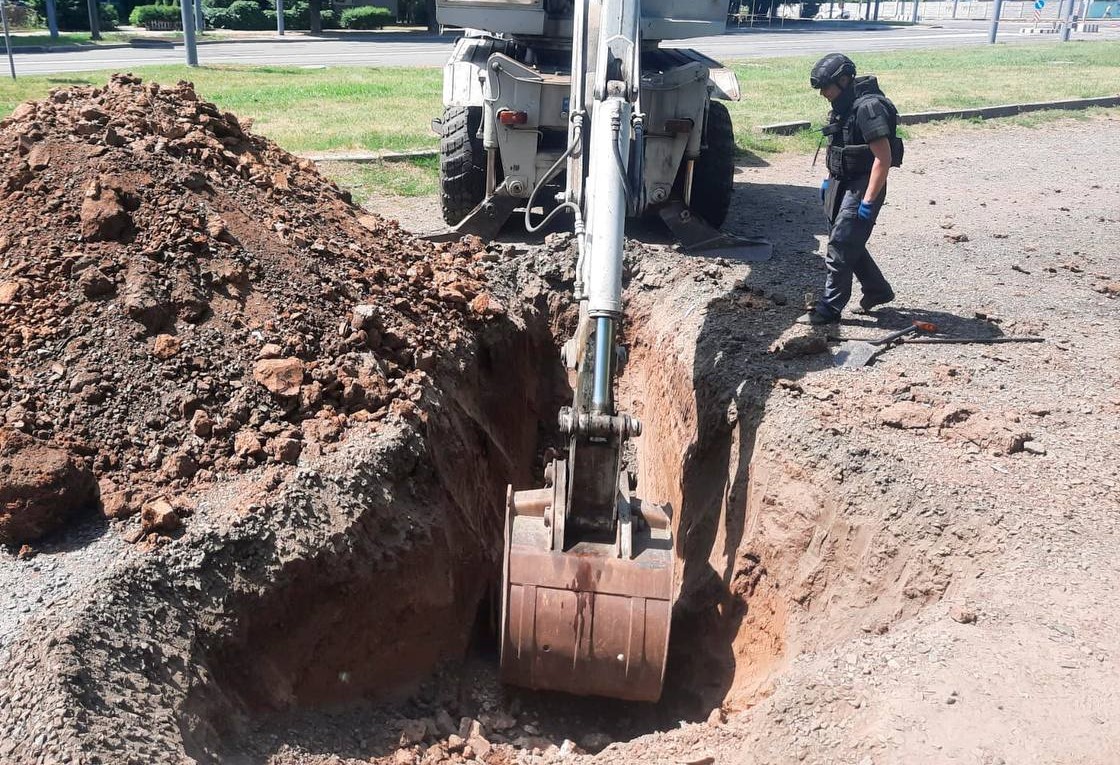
pixel 393 620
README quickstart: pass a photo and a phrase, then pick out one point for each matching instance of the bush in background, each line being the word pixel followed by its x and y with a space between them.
pixel 142 15
pixel 298 16
pixel 366 17
pixel 241 14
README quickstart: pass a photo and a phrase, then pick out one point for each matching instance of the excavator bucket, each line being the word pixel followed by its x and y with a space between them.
pixel 592 619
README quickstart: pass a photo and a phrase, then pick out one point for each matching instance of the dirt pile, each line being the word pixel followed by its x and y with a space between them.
pixel 181 299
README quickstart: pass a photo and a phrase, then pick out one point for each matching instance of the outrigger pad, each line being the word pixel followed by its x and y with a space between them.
pixel 484 221
pixel 698 237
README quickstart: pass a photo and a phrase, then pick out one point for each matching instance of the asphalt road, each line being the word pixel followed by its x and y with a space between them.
pixel 796 38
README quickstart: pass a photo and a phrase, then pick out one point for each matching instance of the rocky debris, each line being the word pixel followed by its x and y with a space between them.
pixel 166 346
pixel 222 305
pixel 282 377
pixel 908 415
pixel 42 486
pixel 103 213
pixel 413 732
pixel 962 614
pixel 797 345
pixel 159 516
pixel 992 433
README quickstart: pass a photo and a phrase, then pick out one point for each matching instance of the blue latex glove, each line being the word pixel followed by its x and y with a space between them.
pixel 824 188
pixel 866 210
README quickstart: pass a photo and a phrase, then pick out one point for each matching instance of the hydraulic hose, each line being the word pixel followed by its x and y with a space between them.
pixel 548 176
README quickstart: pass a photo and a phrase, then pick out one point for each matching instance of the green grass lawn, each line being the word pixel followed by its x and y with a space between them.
pixel 343 108
pixel 777 90
pixel 20 39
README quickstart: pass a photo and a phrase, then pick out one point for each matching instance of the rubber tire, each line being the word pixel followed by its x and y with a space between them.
pixel 713 176
pixel 462 163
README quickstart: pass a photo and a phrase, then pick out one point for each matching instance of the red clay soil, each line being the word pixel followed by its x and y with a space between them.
pixel 181 299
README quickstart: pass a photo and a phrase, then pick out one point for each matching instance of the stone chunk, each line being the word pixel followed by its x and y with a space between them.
pixel 41 487
pixel 413 732
pixel 908 415
pixel 103 215
pixel 159 516
pixel 166 346
pixel 281 377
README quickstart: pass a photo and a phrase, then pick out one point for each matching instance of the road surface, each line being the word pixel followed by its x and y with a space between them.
pixel 796 38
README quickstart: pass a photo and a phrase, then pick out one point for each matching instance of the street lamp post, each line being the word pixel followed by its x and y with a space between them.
pixel 187 12
pixel 7 37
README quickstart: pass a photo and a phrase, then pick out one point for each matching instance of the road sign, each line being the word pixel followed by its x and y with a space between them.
pixel 1039 4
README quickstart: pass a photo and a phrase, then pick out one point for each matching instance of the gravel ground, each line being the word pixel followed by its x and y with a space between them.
pixel 918 557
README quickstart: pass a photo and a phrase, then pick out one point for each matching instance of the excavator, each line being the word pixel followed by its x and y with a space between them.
pixel 576 108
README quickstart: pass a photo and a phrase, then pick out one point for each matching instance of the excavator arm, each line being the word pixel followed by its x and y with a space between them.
pixel 588 568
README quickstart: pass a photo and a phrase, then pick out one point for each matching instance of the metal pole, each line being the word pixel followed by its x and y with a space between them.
pixel 199 19
pixel 995 22
pixel 876 10
pixel 94 21
pixel 7 37
pixel 1067 24
pixel 280 17
pixel 52 19
pixel 914 17
pixel 955 8
pixel 188 32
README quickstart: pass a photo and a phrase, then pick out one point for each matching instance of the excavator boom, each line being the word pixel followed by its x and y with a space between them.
pixel 588 570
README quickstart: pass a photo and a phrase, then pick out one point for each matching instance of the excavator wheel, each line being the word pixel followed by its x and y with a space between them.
pixel 714 173
pixel 462 163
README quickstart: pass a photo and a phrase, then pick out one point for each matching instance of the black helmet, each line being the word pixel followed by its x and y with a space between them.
pixel 829 69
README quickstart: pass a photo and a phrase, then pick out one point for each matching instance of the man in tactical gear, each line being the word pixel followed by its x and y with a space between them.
pixel 862 149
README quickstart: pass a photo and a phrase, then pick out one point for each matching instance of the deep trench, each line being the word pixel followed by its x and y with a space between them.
pixel 339 629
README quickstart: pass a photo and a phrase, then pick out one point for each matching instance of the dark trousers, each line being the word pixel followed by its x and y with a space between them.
pixel 847 248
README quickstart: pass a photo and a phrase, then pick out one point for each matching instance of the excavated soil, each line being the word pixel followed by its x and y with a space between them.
pixel 910 562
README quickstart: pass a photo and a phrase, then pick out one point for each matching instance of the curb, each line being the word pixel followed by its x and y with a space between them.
pixel 1008 110
pixel 299 36
pixel 983 112
pixel 363 158
pixel 65 48
pixel 784 128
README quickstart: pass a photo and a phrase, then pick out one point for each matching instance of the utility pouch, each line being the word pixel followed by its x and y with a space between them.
pixel 898 149
pixel 848 162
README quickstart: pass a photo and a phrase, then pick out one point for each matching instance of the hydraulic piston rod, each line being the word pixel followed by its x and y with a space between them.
pixel 604 352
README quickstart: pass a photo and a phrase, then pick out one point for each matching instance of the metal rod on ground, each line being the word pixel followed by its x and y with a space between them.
pixel 52 19
pixel 7 37
pixel 188 32
pixel 280 17
pixel 995 22
pixel 94 21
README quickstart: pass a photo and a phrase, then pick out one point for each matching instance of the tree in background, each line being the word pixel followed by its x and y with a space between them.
pixel 315 9
pixel 73 15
